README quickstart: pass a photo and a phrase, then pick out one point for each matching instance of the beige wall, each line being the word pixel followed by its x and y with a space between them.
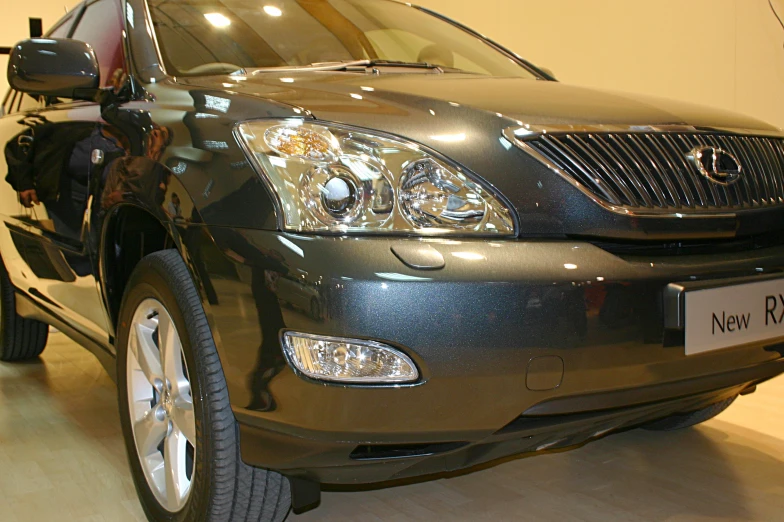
pixel 14 24
pixel 722 53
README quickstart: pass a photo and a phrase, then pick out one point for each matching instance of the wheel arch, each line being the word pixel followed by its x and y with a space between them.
pixel 131 231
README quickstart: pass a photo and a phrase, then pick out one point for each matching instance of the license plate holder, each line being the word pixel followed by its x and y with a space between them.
pixel 727 316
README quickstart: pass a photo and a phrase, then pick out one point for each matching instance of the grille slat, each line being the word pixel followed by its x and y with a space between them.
pixel 658 169
pixel 775 166
pixel 694 185
pixel 744 158
pixel 750 196
pixel 757 167
pixel 778 152
pixel 580 172
pixel 683 190
pixel 731 193
pixel 722 197
pixel 605 171
pixel 653 186
pixel 764 165
pixel 650 170
pixel 609 151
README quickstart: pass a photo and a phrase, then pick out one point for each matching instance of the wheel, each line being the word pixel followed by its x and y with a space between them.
pixel 315 308
pixel 20 339
pixel 686 420
pixel 180 433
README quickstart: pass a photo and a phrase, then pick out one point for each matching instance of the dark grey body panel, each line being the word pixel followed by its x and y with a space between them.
pixel 473 329
pixel 581 284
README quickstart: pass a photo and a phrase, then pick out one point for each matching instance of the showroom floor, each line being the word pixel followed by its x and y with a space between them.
pixel 62 458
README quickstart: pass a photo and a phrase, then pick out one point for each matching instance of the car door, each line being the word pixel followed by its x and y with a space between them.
pixel 65 143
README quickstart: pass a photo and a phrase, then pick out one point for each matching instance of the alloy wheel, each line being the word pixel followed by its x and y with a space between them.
pixel 161 405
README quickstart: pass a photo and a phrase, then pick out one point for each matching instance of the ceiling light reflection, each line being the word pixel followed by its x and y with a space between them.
pixel 217 19
pixel 291 246
pixel 392 276
pixel 470 256
pixel 272 10
pixel 449 137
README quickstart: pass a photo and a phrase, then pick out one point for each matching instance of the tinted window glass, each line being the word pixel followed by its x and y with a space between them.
pixel 101 26
pixel 214 36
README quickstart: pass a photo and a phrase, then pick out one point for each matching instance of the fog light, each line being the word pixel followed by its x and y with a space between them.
pixel 347 360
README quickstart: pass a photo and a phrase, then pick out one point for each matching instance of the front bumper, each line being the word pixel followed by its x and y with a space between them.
pixel 490 333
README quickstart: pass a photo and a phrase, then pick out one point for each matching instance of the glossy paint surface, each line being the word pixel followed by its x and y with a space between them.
pixel 156 162
pixel 63 66
pixel 474 323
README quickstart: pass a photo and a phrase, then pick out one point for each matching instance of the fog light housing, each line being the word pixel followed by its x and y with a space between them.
pixel 337 359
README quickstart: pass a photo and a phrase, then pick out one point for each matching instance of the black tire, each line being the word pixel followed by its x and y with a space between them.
pixel 686 420
pixel 224 488
pixel 20 339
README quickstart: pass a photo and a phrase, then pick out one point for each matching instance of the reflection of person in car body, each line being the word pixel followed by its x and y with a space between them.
pixel 174 209
pixel 50 164
pixel 38 158
pixel 139 174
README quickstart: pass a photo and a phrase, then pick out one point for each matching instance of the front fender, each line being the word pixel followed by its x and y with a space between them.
pixel 137 198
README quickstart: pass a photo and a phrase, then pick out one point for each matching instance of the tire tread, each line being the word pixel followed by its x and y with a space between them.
pixel 22 339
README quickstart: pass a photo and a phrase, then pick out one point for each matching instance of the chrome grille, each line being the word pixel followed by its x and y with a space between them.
pixel 651 170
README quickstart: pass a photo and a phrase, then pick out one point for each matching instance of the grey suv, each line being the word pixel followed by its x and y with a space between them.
pixel 351 241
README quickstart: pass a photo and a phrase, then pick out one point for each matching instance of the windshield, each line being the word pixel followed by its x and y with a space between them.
pixel 199 37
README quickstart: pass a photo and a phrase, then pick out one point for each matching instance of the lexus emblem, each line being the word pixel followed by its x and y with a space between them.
pixel 716 164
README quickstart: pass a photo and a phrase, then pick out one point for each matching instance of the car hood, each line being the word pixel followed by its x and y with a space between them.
pixel 348 96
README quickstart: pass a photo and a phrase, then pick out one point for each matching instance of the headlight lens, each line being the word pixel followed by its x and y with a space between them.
pixel 347 360
pixel 337 178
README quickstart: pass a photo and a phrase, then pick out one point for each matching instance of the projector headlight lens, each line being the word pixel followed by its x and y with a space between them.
pixel 348 360
pixel 330 177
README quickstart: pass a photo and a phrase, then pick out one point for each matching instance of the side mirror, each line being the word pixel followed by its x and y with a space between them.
pixel 55 67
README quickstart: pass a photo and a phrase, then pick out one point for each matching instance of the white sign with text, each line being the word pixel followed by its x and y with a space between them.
pixel 719 318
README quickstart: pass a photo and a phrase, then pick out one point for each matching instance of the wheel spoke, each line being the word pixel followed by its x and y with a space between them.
pixel 182 417
pixel 174 458
pixel 157 374
pixel 149 433
pixel 146 353
pixel 171 357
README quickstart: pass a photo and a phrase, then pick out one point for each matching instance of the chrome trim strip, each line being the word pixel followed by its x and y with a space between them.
pixel 532 131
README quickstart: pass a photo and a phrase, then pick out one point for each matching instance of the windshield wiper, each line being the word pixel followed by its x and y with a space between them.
pixel 392 63
pixel 354 64
pixel 395 63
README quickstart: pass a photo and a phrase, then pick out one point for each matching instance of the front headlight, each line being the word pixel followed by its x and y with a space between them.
pixel 330 177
